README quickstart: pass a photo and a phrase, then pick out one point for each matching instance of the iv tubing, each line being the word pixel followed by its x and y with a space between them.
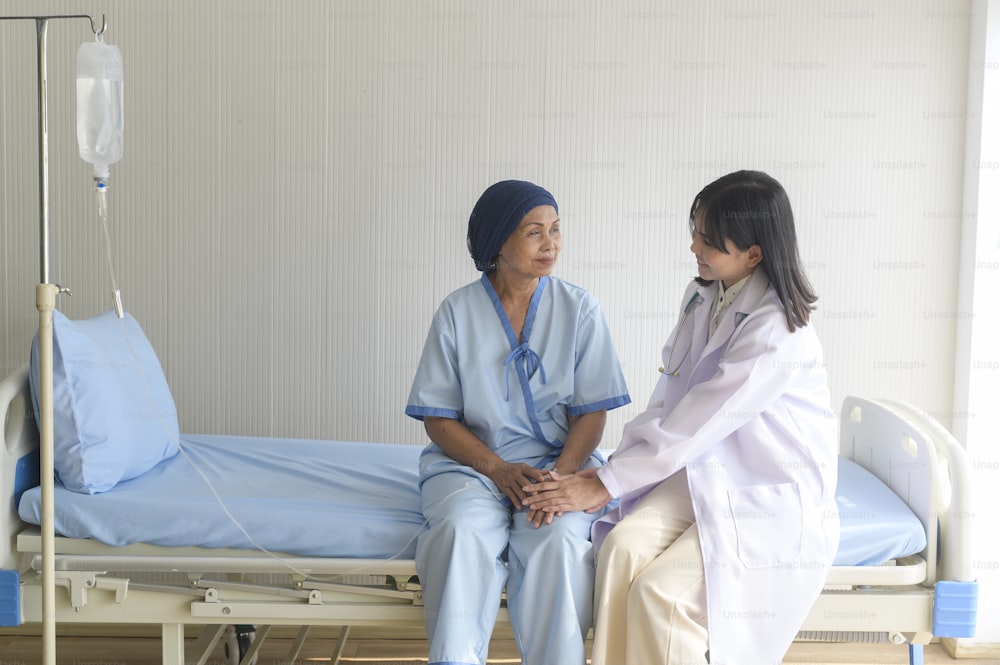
pixel 102 211
pixel 45 295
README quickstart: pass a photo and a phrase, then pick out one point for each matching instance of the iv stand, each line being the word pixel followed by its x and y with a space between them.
pixel 45 298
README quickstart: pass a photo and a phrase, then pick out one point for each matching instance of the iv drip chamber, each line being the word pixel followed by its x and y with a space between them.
pixel 99 105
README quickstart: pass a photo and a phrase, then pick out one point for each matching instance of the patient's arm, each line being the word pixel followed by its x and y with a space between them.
pixel 459 443
pixel 585 433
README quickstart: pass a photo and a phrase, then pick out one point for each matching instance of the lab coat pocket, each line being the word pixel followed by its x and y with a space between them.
pixel 769 522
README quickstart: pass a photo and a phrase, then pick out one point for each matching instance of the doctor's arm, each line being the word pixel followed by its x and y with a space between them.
pixel 763 361
pixel 757 369
pixel 460 444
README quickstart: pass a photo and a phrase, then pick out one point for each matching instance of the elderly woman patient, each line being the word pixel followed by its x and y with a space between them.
pixel 514 382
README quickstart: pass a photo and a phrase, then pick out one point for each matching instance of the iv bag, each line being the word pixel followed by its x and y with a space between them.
pixel 99 112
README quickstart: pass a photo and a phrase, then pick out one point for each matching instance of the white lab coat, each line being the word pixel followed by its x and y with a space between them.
pixel 748 415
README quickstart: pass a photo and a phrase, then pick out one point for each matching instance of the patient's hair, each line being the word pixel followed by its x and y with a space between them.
pixel 751 208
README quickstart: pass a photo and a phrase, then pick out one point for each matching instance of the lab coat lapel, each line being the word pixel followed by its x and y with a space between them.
pixel 699 328
pixel 745 303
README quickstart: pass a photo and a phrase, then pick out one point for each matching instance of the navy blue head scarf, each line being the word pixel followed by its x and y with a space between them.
pixel 497 214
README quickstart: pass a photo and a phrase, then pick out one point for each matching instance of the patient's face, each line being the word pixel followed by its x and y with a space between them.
pixel 533 248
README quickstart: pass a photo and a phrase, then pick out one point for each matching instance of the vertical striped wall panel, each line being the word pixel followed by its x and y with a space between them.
pixel 297 177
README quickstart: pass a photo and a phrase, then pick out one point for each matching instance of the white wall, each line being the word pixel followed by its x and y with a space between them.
pixel 297 179
pixel 976 418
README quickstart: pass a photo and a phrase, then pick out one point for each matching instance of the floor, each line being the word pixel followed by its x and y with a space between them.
pixel 84 650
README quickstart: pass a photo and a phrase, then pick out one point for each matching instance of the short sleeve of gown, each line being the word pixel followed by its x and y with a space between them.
pixel 437 389
pixel 599 383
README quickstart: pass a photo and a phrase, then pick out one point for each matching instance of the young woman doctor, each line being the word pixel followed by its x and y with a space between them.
pixel 727 522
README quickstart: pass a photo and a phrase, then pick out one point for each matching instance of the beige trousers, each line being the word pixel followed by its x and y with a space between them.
pixel 649 599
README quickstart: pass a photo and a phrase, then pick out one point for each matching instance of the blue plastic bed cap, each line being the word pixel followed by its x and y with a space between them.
pixel 955 608
pixel 10 598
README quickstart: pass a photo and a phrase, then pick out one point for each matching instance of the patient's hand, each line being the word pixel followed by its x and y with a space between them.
pixel 511 477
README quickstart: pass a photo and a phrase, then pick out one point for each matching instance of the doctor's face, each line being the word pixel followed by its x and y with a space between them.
pixel 532 249
pixel 714 264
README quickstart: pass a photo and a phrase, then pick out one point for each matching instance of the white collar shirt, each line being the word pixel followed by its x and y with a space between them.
pixel 723 299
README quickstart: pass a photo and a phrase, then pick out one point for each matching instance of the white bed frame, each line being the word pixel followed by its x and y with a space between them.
pixel 900 601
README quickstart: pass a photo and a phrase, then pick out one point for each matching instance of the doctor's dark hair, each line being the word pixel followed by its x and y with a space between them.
pixel 751 208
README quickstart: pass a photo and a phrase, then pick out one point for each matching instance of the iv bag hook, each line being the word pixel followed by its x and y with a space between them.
pixel 104 26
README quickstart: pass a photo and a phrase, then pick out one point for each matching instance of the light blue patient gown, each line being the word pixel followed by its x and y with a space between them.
pixel 517 398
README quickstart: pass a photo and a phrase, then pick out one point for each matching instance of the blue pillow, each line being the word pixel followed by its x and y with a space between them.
pixel 875 524
pixel 105 428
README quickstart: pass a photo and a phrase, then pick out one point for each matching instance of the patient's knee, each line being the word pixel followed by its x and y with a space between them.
pixel 570 527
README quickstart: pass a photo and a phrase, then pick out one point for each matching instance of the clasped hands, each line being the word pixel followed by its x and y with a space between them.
pixel 555 494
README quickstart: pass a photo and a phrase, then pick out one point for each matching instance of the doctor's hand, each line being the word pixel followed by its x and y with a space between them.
pixel 580 491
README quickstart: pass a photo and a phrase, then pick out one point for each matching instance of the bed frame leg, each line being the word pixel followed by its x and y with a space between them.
pixel 300 640
pixel 338 651
pixel 199 651
pixel 173 643
pixel 916 654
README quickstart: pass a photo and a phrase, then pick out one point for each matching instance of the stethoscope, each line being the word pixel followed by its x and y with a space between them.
pixel 695 300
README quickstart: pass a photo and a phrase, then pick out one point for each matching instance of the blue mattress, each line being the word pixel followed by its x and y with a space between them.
pixel 293 496
pixel 875 524
pixel 352 500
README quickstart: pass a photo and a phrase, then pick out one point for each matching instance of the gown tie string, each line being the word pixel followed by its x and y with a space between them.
pixel 531 363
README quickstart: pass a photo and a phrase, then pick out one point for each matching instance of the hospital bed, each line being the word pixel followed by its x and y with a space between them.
pixel 333 526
